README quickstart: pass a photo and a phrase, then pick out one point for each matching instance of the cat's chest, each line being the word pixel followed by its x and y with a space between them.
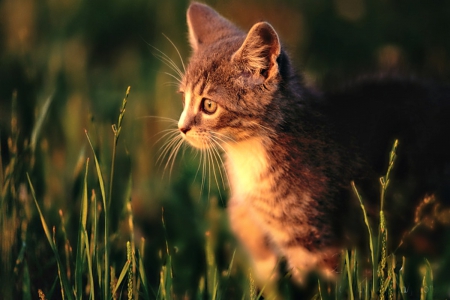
pixel 248 167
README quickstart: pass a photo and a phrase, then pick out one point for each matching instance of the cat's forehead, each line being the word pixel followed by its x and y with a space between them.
pixel 211 65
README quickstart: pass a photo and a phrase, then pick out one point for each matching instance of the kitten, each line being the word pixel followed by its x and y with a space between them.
pixel 291 153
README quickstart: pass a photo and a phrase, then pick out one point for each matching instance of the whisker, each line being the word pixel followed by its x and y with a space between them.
pixel 171 83
pixel 177 148
pixel 203 158
pixel 168 62
pixel 220 162
pixel 165 133
pixel 224 138
pixel 168 147
pixel 163 57
pixel 161 119
pixel 173 154
pixel 178 80
pixel 213 158
pixel 220 139
pixel 210 166
pixel 179 55
pixel 199 164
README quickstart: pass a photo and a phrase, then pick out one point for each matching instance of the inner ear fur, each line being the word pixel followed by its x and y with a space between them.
pixel 259 52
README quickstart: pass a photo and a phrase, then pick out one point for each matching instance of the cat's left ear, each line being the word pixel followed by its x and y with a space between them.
pixel 259 52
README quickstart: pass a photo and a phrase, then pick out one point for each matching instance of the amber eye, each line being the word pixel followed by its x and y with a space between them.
pixel 209 106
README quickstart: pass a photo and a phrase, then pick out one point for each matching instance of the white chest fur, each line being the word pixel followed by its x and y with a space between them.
pixel 246 162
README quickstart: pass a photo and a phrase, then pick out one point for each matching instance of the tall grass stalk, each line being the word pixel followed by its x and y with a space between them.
pixel 372 241
pixel 385 281
pixel 166 274
pixel 103 269
pixel 66 290
pixel 116 128
pixel 107 203
pixel 349 276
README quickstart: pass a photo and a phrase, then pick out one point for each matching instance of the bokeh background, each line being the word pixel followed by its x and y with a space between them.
pixel 84 54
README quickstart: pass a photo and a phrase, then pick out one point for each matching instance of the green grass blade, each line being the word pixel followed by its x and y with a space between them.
pixel 66 290
pixel 90 270
pixel 401 275
pixel 39 122
pixel 26 283
pixel 98 169
pixel 142 275
pixel 131 278
pixel 116 130
pixel 122 275
pixel 349 276
pixel 94 234
pixel 373 255
pixel 80 258
pixel 427 282
pixel 105 284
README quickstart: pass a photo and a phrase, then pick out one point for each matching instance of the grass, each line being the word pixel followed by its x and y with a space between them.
pixel 86 263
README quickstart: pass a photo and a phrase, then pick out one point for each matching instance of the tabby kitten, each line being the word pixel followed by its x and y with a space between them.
pixel 290 153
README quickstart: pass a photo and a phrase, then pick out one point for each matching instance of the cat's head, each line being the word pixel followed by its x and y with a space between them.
pixel 231 79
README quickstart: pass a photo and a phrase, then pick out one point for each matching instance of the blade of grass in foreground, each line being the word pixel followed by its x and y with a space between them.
pixel 66 289
pixel 79 262
pixel 105 268
pixel 349 276
pixel 83 233
pixel 426 290
pixel 122 275
pixel 116 130
pixel 371 240
pixel 166 275
pixel 142 276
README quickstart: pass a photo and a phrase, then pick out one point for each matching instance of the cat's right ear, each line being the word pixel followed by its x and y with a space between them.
pixel 206 25
pixel 259 52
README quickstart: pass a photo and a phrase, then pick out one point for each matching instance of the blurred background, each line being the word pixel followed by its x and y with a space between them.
pixel 82 55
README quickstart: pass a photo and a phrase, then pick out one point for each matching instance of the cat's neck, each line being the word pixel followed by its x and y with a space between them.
pixel 247 162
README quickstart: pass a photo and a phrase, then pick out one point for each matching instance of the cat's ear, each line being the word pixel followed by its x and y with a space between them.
pixel 207 26
pixel 259 52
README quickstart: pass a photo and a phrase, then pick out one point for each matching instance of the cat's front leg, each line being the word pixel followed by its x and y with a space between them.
pixel 302 262
pixel 264 259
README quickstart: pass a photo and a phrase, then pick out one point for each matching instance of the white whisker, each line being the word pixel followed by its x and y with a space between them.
pixel 172 155
pixel 178 80
pixel 212 157
pixel 199 164
pixel 203 158
pixel 179 54
pixel 160 119
pixel 171 83
pixel 169 62
pixel 167 132
pixel 168 147
pixel 220 162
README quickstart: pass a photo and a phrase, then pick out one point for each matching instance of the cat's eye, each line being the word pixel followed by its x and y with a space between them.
pixel 208 106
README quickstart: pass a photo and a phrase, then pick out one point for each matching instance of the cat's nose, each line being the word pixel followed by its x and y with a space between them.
pixel 185 129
